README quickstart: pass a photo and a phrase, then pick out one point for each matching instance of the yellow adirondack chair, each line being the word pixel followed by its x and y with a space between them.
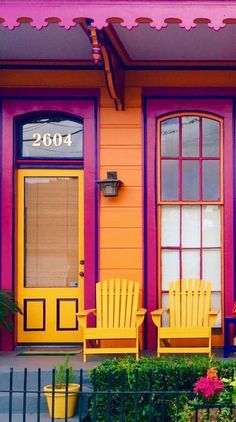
pixel 190 316
pixel 117 316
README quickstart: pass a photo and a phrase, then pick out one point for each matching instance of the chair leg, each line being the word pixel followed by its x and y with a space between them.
pixel 158 345
pixel 137 346
pixel 84 351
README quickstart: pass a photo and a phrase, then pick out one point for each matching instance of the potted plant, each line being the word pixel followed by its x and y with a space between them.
pixel 8 307
pixel 62 396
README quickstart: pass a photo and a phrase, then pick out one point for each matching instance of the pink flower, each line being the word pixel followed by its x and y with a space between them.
pixel 208 386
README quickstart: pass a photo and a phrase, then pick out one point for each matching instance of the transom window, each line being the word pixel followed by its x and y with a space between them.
pixel 51 136
pixel 190 159
pixel 190 203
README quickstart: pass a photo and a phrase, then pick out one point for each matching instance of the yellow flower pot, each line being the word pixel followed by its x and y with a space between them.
pixel 60 399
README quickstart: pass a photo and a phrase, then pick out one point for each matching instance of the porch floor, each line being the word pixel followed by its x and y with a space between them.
pixel 12 360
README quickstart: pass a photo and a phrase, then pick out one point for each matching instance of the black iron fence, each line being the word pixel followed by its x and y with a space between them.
pixel 22 399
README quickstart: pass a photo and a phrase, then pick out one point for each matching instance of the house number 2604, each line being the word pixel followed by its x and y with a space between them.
pixel 48 140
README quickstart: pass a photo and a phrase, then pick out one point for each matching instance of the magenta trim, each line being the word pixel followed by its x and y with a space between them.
pixel 86 109
pixel 127 11
pixel 156 107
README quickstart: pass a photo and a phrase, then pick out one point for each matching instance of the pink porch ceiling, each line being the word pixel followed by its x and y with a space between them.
pixel 128 12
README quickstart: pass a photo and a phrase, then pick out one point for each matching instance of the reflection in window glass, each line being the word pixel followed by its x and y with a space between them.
pixel 190 263
pixel 211 180
pixel 52 137
pixel 190 180
pixel 210 138
pixel 170 267
pixel 191 223
pixel 211 267
pixel 169 180
pixel 190 136
pixel 170 232
pixel 211 226
pixel 170 138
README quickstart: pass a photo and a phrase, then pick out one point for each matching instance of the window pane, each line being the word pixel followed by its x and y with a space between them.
pixel 191 224
pixel 191 264
pixel 170 138
pixel 211 224
pixel 210 138
pixel 190 180
pixel 165 304
pixel 51 241
pixel 211 180
pixel 170 267
pixel 190 136
pixel 170 226
pixel 216 304
pixel 169 180
pixel 52 137
pixel 211 267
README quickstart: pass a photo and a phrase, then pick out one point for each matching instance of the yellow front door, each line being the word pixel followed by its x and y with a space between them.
pixel 50 255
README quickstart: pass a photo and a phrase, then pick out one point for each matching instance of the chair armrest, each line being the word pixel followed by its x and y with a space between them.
pixel 141 311
pixel 82 316
pixel 214 312
pixel 159 311
pixel 140 314
pixel 85 312
pixel 156 316
pixel 212 316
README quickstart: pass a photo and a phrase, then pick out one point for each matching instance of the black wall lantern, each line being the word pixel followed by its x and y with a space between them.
pixel 111 185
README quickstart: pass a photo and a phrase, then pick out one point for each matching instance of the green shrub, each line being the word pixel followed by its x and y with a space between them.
pixel 156 375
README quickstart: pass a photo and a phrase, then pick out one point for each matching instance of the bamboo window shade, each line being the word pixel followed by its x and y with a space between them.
pixel 51 231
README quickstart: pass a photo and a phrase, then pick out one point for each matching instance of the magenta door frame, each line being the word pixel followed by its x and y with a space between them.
pixel 155 108
pixel 86 109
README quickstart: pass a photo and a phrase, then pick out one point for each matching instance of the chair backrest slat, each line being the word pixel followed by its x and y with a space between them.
pixel 111 300
pixel 135 304
pixel 117 303
pixel 189 303
pixel 99 305
pixel 183 305
pixel 104 292
pixel 195 302
pixel 123 303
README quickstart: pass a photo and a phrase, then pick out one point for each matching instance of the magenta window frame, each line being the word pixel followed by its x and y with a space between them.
pixel 199 158
pixel 154 108
pixel 86 108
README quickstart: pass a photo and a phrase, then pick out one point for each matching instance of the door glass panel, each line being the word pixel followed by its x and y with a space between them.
pixel 210 138
pixel 211 180
pixel 51 231
pixel 211 226
pixel 169 180
pixel 170 229
pixel 190 136
pixel 170 138
pixel 190 180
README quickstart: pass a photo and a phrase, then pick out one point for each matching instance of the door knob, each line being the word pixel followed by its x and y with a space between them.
pixel 81 262
pixel 81 273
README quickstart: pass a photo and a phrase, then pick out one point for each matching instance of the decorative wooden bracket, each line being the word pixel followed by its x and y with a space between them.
pixel 114 72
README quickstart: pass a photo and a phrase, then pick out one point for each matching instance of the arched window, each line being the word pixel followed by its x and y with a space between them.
pixel 190 200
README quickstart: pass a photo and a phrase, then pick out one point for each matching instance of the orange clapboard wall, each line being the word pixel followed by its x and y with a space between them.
pixel 120 149
pixel 121 217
